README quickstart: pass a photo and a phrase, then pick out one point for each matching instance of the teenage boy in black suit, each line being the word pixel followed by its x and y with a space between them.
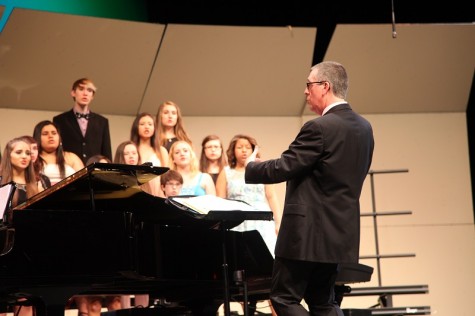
pixel 83 132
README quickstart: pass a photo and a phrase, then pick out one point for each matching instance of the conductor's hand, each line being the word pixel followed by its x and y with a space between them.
pixel 253 156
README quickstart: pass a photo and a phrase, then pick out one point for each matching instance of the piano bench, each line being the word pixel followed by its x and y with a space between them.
pixel 356 312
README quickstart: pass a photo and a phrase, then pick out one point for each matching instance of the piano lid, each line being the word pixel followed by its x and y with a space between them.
pixel 95 182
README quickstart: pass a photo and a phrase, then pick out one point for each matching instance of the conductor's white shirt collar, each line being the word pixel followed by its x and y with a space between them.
pixel 332 105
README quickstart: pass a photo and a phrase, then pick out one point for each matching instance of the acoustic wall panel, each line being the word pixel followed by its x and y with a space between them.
pixel 42 54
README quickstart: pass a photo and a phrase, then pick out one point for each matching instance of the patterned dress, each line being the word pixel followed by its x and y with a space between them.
pixel 255 195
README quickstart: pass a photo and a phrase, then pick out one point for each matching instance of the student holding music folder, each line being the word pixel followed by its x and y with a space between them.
pixel 16 167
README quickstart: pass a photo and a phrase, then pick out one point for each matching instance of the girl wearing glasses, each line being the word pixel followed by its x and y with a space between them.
pixel 212 160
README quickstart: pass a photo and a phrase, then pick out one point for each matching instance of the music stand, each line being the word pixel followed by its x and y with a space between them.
pixel 227 219
pixel 6 234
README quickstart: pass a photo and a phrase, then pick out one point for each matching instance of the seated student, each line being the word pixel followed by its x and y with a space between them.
pixel 171 183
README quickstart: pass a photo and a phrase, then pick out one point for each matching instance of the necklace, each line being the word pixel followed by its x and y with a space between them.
pixel 21 186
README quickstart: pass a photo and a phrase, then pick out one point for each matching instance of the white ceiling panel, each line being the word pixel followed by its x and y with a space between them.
pixel 228 70
pixel 426 68
pixel 236 71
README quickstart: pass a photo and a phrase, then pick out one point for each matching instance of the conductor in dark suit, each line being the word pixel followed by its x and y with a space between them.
pixel 83 132
pixel 325 167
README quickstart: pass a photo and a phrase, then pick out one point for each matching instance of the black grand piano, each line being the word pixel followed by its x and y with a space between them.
pixel 97 232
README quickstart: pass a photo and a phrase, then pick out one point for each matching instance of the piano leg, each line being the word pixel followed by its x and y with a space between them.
pixel 52 310
pixel 252 307
pixel 227 299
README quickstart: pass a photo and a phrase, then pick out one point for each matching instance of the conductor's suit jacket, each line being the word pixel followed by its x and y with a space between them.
pixel 325 167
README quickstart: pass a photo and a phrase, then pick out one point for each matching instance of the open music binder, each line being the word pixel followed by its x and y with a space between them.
pixel 203 204
pixel 213 208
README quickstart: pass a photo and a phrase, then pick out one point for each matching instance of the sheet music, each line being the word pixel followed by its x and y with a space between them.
pixel 203 204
